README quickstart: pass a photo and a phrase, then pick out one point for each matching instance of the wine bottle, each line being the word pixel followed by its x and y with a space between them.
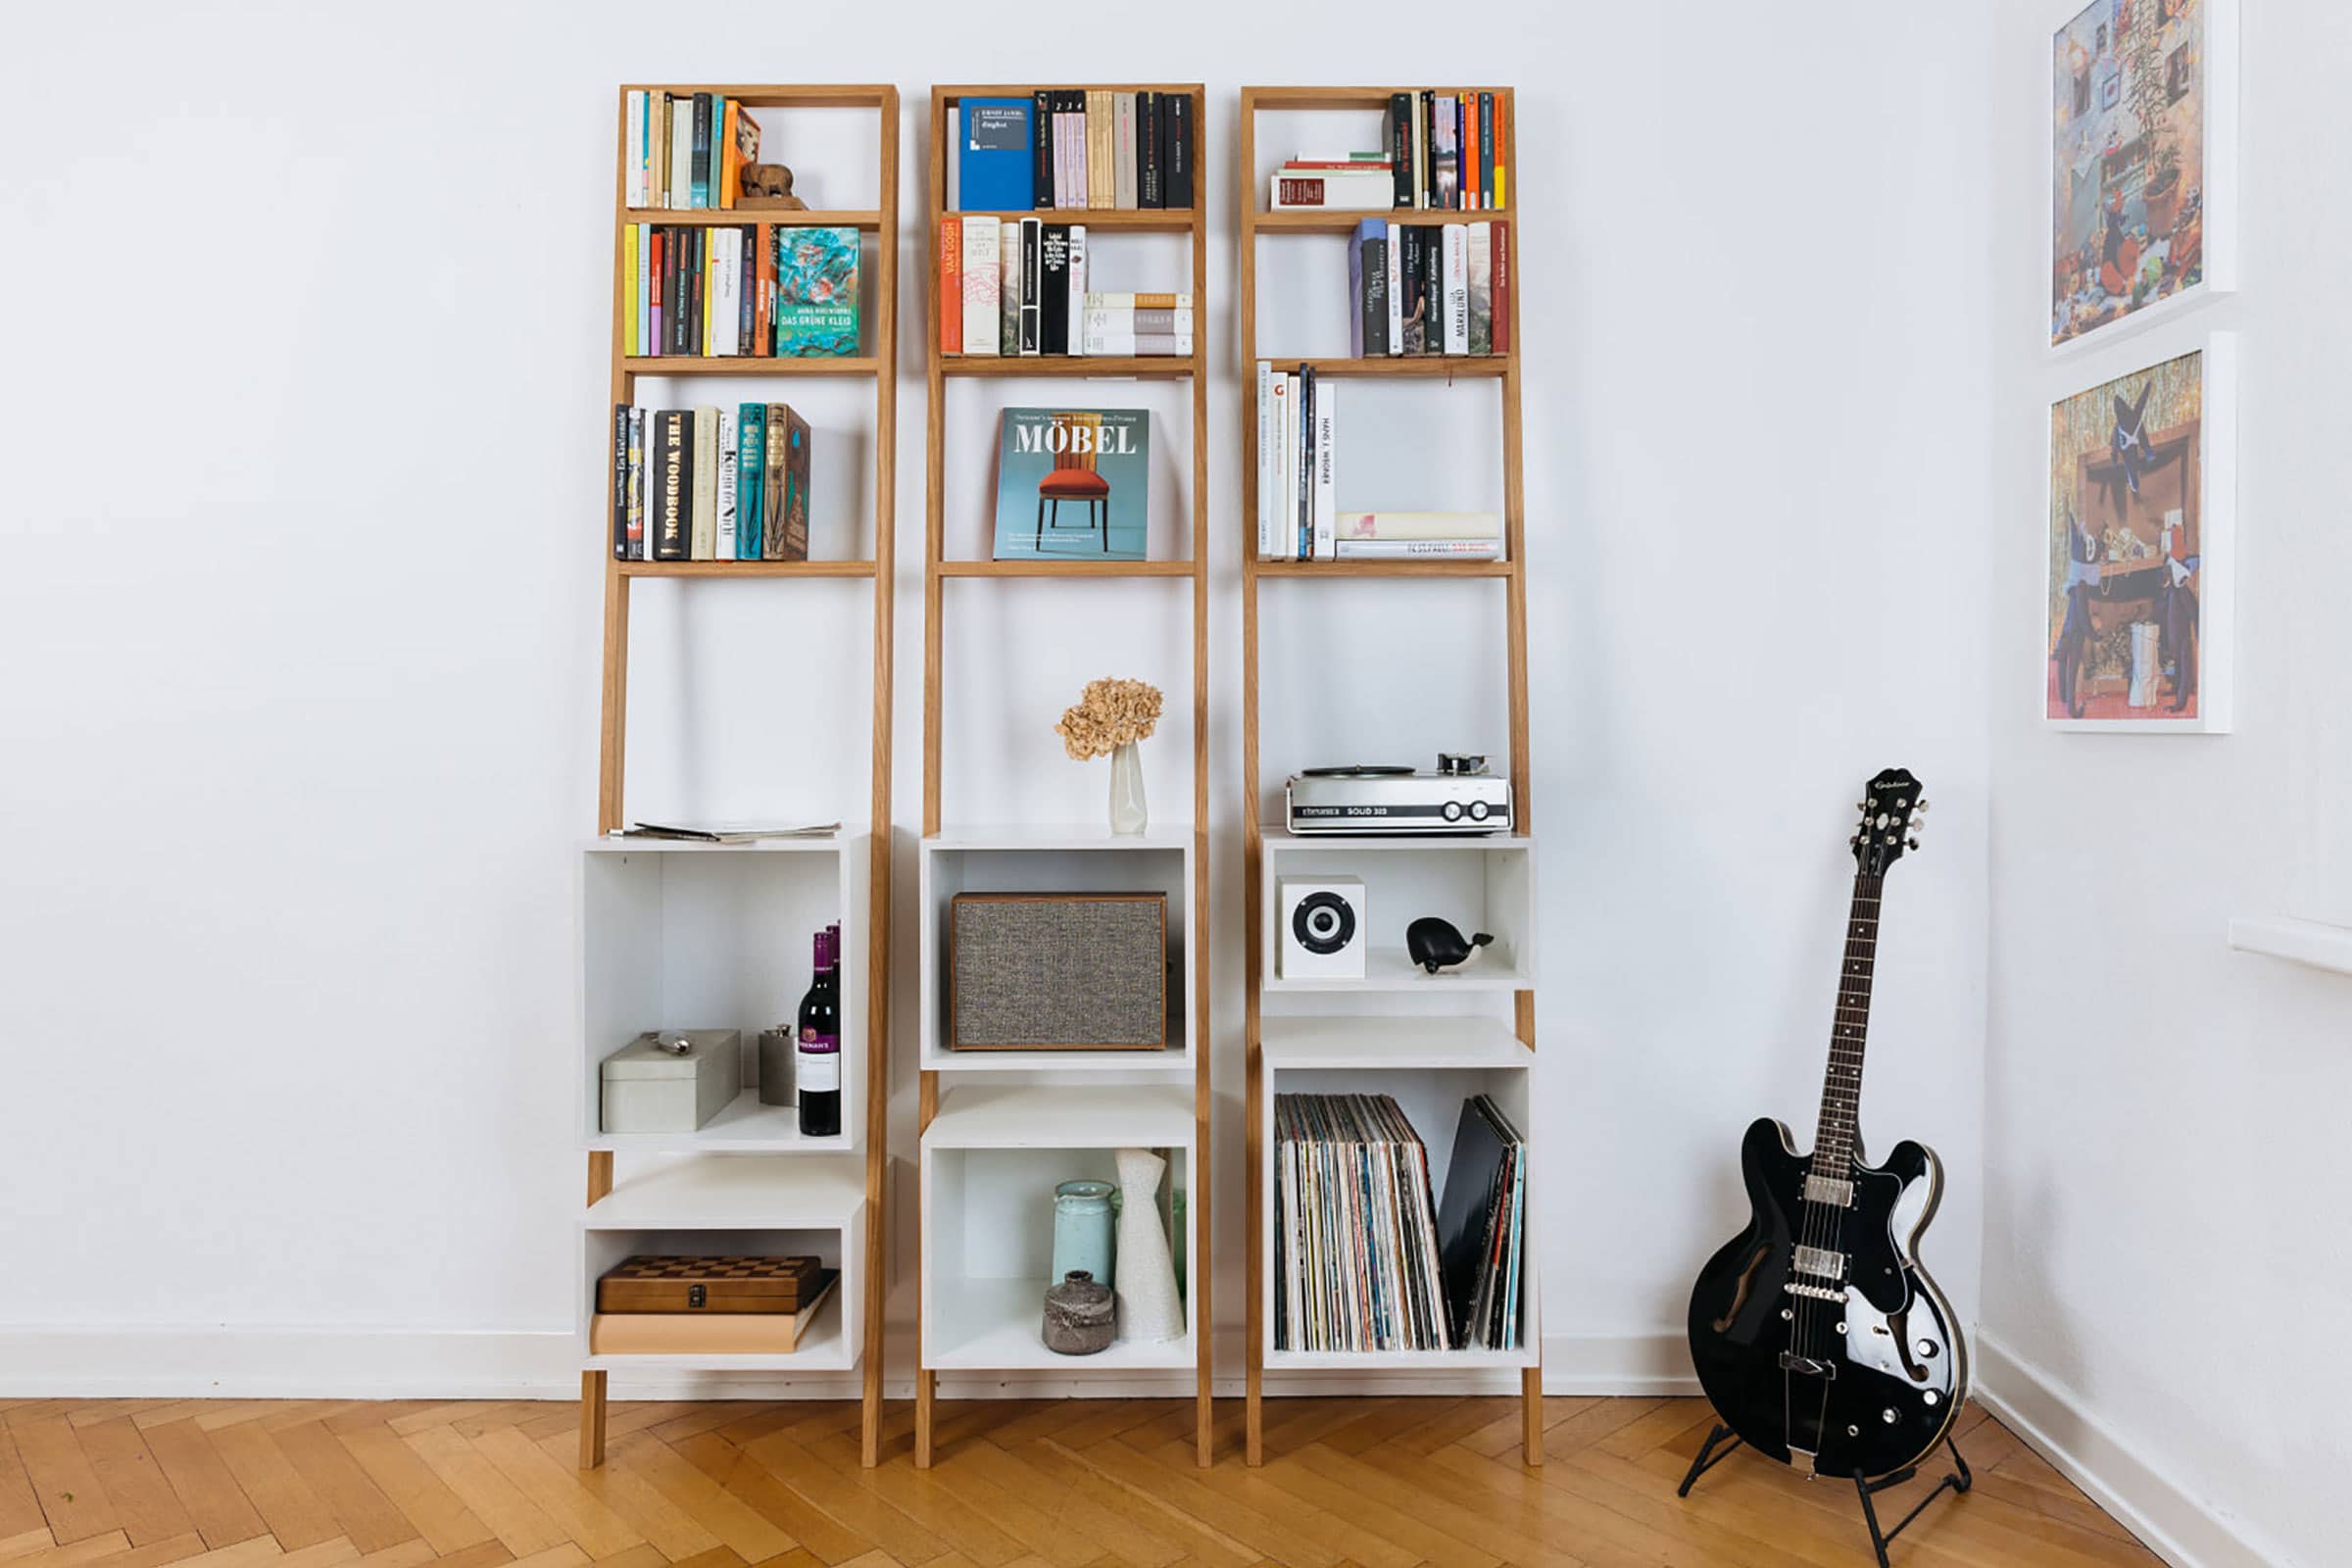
pixel 818 1067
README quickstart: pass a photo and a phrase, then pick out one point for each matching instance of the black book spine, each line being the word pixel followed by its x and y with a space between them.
pixel 674 308
pixel 1486 149
pixel 1375 298
pixel 1429 149
pixel 1148 192
pixel 620 481
pixel 1306 462
pixel 1041 150
pixel 747 283
pixel 701 151
pixel 1032 304
pixel 1408 284
pixel 1433 289
pixel 1180 151
pixel 698 259
pixel 1400 145
pixel 673 483
pixel 1053 268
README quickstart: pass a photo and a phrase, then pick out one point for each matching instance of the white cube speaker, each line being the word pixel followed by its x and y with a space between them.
pixel 1324 930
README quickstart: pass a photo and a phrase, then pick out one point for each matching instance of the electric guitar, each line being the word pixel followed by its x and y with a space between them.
pixel 1818 1337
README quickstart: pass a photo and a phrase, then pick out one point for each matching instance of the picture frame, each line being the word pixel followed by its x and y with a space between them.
pixel 2140 523
pixel 2140 227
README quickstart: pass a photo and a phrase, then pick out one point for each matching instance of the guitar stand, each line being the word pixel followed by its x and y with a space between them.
pixel 1957 1479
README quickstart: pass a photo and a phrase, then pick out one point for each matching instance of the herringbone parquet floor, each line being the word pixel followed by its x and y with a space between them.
pixel 1073 1483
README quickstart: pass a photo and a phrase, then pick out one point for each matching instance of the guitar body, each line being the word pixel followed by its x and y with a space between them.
pixel 1862 1386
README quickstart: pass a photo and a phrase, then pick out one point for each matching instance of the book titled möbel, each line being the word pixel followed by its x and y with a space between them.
pixel 816 292
pixel 1072 484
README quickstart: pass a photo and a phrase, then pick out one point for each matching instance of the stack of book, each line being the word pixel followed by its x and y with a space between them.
pixel 688 151
pixel 1443 150
pixel 1480 1226
pixel 1092 147
pixel 710 484
pixel 1357 1252
pixel 718 291
pixel 1017 286
pixel 1297 489
pixel 1429 288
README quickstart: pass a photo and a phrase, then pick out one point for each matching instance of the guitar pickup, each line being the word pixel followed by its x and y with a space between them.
pixel 1831 1191
pixel 1821 1262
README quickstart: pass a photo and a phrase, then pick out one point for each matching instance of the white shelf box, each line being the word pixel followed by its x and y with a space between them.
pixel 1481 883
pixel 991 1159
pixel 1058 858
pixel 763 1207
pixel 1430 1066
pixel 700 936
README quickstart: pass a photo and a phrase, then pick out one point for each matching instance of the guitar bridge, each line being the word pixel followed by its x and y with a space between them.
pixel 1790 1361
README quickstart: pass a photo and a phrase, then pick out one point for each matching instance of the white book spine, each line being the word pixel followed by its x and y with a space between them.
pixel 1134 345
pixel 1135 302
pixel 728 479
pixel 1077 280
pixel 1008 286
pixel 980 287
pixel 1456 295
pixel 632 112
pixel 1482 287
pixel 1327 464
pixel 681 152
pixel 726 299
pixel 1265 430
pixel 1414 549
pixel 1395 289
pixel 1122 323
pixel 955 157
pixel 1293 454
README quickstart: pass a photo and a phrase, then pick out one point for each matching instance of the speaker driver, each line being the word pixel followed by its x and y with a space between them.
pixel 1323 923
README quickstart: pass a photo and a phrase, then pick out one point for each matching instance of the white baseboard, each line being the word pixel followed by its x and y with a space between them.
pixel 2177 1525
pixel 309 1362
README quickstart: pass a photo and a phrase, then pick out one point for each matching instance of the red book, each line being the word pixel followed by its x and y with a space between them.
pixel 950 299
pixel 1500 285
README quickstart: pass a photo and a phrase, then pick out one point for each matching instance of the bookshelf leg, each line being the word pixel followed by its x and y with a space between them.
pixel 869 1447
pixel 592 1420
pixel 1254 1439
pixel 1204 1420
pixel 926 1392
pixel 1530 1415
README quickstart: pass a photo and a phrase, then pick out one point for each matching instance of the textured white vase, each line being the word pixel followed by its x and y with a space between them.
pixel 1128 813
pixel 1148 1306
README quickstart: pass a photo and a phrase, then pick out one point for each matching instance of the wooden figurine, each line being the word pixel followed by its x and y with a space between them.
pixel 770 185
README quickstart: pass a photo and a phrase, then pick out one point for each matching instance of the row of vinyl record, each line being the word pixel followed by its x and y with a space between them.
pixel 1090 147
pixel 1367 1259
pixel 757 291
pixel 1429 288
pixel 709 483
pixel 1443 150
pixel 1017 286
pixel 1298 488
pixel 687 149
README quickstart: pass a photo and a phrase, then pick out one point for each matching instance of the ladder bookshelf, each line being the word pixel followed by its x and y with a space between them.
pixel 1485 1043
pixel 984 1117
pixel 749 1181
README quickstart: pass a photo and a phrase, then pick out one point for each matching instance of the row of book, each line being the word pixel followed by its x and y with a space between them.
pixel 1091 147
pixel 1017 286
pixel 1429 288
pixel 687 149
pixel 718 291
pixel 709 483
pixel 1365 1260
pixel 1297 489
pixel 1441 150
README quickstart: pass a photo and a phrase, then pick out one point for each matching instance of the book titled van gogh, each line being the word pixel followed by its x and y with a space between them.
pixel 816 292
pixel 1072 484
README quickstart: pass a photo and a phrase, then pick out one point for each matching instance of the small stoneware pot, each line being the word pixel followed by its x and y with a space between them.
pixel 1078 1315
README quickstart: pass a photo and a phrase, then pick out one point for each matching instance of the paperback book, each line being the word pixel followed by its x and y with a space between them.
pixel 1073 484
pixel 816 292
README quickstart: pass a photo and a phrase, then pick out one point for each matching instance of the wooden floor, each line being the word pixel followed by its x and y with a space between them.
pixel 1111 1483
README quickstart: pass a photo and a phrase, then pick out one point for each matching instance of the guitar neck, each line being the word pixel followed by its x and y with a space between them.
pixel 1833 1133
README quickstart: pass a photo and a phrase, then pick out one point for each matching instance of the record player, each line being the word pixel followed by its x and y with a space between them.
pixel 1460 797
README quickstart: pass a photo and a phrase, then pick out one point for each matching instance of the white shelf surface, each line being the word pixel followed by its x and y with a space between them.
pixel 1398 1360
pixel 1062 1117
pixel 822 1349
pixel 1393 969
pixel 747 1193
pixel 744 1127
pixel 814 844
pixel 1308 1042
pixel 1278 837
pixel 2308 942
pixel 1058 836
pixel 998 1326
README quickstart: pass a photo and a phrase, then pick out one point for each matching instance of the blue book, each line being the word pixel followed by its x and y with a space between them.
pixel 1073 484
pixel 751 423
pixel 997 162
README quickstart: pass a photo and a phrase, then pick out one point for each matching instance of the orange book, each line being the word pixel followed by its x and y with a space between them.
pixel 728 176
pixel 949 299
pixel 1472 195
pixel 1502 150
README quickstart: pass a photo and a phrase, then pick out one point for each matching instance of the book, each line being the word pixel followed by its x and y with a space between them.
pixel 638 467
pixel 1480 273
pixel 1456 294
pixel 1486 199
pixel 752 485
pixel 1446 159
pixel 1416 549
pixel 730 455
pixel 699 160
pixel 1501 287
pixel 1031 312
pixel 951 285
pixel 1466 116
pixel 673 484
pixel 1368 284
pixel 620 481
pixel 681 152
pixel 1008 286
pixel 981 280
pixel 725 338
pixel 703 537
pixel 632 129
pixel 1073 484
pixel 1113 343
pixel 1054 275
pixel 1331 190
pixel 1181 150
pixel 773 483
pixel 1415 525
pixel 1102 157
pixel 1041 149
pixel 1414 240
pixel 1122 131
pixel 1326 516
pixel 1149 191
pixel 816 292
pixel 1502 150
pixel 1131 319
pixel 1393 333
pixel 1077 279
pixel 1097 300
pixel 727 832
pixel 791 526
pixel 954 202
pixel 1070 116
pixel 996 157
pixel 1398 133
pixel 1263 486
pixel 1304 505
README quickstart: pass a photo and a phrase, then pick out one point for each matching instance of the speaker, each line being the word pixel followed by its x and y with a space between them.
pixel 1323 928
pixel 1058 971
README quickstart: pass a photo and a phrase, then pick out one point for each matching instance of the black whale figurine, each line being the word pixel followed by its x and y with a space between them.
pixel 1436 944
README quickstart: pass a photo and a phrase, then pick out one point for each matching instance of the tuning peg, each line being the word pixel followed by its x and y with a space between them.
pixel 1921 805
pixel 1912 842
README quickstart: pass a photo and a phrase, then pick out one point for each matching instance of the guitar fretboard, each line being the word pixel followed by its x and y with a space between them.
pixel 1835 1132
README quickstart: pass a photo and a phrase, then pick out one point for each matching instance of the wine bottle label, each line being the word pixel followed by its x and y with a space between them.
pixel 820 1063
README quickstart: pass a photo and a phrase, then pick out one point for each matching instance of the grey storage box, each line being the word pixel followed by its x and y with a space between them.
pixel 649 1087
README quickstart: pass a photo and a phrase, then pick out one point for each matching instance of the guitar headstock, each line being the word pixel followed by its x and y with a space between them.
pixel 1893 807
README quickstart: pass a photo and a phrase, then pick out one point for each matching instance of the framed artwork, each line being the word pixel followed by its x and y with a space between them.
pixel 2143 160
pixel 2141 513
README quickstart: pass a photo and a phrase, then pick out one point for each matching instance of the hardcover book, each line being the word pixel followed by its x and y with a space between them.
pixel 1073 484
pixel 1008 286
pixel 751 502
pixel 1482 288
pixel 816 292
pixel 982 276
pixel 793 519
pixel 995 158
pixel 703 529
pixel 673 483
pixel 730 455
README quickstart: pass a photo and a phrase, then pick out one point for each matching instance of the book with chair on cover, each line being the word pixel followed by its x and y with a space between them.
pixel 1073 484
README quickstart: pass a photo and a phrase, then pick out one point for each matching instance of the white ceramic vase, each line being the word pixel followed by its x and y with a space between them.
pixel 1149 1308
pixel 1128 813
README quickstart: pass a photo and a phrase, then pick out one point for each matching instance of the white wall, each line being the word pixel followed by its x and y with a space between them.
pixel 302 622
pixel 2164 1116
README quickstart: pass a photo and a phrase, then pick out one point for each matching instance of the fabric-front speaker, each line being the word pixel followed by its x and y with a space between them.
pixel 1058 971
pixel 1323 930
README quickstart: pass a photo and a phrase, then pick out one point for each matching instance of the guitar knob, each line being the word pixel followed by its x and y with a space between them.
pixel 1930 1398
pixel 1888 1415
pixel 1927 1350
